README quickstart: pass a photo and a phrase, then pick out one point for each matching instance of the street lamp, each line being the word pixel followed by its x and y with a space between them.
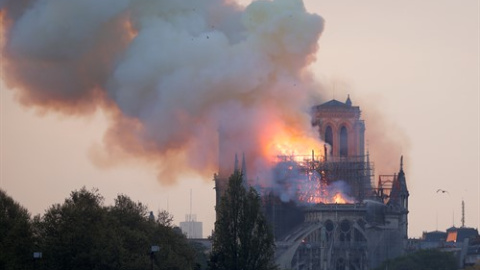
pixel 153 249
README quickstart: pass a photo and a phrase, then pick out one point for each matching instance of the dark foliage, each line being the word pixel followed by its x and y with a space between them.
pixel 429 259
pixel 16 235
pixel 82 233
pixel 242 237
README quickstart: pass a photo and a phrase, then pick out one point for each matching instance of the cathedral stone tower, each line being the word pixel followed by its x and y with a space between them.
pixel 340 126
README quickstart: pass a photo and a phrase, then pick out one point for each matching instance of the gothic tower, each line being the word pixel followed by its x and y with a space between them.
pixel 343 131
pixel 398 203
pixel 340 126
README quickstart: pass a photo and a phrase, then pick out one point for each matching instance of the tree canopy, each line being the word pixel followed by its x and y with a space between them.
pixel 16 234
pixel 428 259
pixel 242 237
pixel 82 233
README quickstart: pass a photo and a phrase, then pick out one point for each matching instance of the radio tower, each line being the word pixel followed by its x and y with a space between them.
pixel 463 213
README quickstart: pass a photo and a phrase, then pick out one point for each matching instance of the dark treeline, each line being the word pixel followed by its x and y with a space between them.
pixel 83 233
pixel 428 259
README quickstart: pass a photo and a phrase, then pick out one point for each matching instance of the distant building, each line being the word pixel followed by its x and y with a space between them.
pixel 435 239
pixel 463 242
pixel 191 227
pixel 458 235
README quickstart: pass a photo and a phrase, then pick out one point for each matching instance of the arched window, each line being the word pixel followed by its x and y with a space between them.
pixel 329 137
pixel 343 142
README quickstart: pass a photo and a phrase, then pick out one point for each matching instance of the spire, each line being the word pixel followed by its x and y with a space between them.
pixel 399 194
pixel 348 102
pixel 401 178
pixel 401 163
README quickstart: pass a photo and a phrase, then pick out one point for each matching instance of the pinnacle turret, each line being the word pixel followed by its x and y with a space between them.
pixel 348 102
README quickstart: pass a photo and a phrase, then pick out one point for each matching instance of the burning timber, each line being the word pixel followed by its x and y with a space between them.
pixel 325 209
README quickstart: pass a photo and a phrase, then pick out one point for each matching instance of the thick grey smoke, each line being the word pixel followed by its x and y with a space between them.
pixel 169 73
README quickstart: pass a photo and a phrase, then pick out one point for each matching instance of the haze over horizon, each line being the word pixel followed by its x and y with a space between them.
pixel 415 65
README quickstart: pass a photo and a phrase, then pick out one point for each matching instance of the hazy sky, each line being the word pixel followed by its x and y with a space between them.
pixel 416 62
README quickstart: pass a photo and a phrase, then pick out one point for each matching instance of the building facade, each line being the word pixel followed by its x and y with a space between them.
pixel 339 218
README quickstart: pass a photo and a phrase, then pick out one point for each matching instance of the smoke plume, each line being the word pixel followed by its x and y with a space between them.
pixel 171 75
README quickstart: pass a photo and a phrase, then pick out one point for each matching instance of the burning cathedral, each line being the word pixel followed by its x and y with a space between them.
pixel 325 208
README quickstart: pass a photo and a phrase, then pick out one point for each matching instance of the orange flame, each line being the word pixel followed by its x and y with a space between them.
pixel 280 140
pixel 284 141
pixel 338 198
pixel 320 195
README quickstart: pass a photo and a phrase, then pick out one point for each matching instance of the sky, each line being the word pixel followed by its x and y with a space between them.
pixel 412 67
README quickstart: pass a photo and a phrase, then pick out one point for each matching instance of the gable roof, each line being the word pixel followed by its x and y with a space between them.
pixel 333 103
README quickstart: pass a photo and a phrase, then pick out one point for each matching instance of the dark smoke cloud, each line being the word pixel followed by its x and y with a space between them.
pixel 168 73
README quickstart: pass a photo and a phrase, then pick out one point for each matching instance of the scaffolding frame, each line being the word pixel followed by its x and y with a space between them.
pixel 321 171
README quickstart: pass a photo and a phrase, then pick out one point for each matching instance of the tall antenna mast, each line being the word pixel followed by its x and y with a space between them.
pixel 463 213
pixel 190 218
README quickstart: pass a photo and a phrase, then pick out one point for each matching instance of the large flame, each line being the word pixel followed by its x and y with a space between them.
pixel 339 198
pixel 301 152
pixel 304 183
pixel 280 140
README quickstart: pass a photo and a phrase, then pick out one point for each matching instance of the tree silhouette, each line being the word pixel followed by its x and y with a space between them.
pixel 242 237
pixel 16 235
pixel 81 233
pixel 428 259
